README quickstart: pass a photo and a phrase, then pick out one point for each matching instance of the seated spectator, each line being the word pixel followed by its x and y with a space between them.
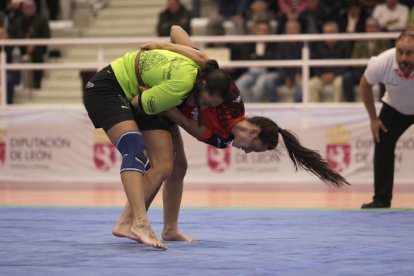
pixel 291 8
pixel 362 49
pixel 196 8
pixel 352 18
pixel 53 8
pixel 175 14
pixel 215 27
pixel 289 11
pixel 13 10
pixel 3 19
pixel 252 83
pixel 391 15
pixel 13 77
pixel 259 10
pixel 369 5
pixel 311 19
pixel 31 25
pixel 290 78
pixel 330 9
pixel 234 11
pixel 328 80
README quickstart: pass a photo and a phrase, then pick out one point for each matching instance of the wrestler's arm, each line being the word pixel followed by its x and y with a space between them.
pixel 199 132
pixel 189 125
pixel 367 97
pixel 180 43
pixel 194 54
pixel 179 36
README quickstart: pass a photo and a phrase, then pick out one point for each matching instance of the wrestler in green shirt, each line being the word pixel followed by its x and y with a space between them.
pixel 169 76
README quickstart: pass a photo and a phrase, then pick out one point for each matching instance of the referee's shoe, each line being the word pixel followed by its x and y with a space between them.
pixel 375 204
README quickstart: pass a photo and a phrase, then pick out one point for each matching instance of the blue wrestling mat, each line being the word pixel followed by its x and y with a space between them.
pixel 78 241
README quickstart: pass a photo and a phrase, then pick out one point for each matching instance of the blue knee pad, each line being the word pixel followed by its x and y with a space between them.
pixel 131 145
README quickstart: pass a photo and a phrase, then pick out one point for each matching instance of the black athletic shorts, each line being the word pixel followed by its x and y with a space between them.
pixel 107 104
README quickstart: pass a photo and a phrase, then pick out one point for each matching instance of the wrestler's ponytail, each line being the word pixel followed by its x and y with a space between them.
pixel 302 157
pixel 310 160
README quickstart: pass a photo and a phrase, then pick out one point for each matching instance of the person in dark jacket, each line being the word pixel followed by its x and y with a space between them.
pixel 352 17
pixel 31 25
pixel 13 77
pixel 253 83
pixel 323 77
pixel 175 14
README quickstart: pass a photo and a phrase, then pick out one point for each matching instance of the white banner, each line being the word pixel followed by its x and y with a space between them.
pixel 61 145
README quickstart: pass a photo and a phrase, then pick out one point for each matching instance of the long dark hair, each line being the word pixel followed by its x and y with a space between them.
pixel 302 157
pixel 217 81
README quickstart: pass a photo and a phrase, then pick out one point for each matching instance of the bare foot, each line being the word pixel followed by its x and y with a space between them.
pixel 145 234
pixel 124 231
pixel 176 236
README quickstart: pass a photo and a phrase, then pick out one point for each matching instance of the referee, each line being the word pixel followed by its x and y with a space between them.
pixel 393 68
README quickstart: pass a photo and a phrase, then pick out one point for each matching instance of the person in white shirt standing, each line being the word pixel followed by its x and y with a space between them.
pixel 391 15
pixel 394 68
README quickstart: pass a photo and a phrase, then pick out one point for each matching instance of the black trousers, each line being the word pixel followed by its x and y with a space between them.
pixel 384 154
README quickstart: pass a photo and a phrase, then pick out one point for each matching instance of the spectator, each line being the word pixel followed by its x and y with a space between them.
pixel 289 11
pixel 3 13
pixel 363 49
pixel 13 10
pixel 290 78
pixel 323 76
pixel 252 83
pixel 330 9
pixel 215 27
pixel 175 14
pixel 291 8
pixel 312 18
pixel 369 5
pixel 391 15
pixel 13 77
pixel 3 19
pixel 235 11
pixel 259 10
pixel 352 18
pixel 53 7
pixel 30 26
pixel 196 8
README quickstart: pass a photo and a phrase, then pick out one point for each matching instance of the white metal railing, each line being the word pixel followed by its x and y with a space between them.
pixel 305 63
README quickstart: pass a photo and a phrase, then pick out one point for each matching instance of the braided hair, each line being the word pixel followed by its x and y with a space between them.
pixel 302 157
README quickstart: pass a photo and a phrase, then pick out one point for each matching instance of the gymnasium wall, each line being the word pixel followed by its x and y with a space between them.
pixel 60 145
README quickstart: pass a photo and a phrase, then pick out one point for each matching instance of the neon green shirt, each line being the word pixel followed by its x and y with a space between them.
pixel 171 77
